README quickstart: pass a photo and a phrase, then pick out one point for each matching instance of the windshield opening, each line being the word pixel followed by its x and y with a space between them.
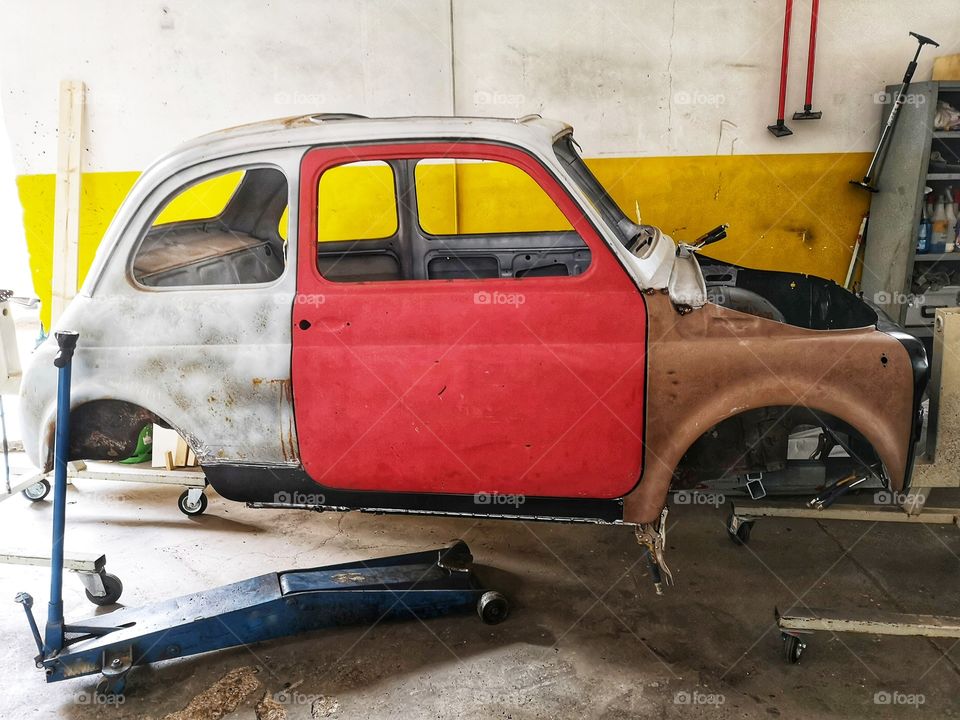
pixel 566 150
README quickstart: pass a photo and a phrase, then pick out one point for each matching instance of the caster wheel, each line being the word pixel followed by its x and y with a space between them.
pixel 187 509
pixel 740 536
pixel 793 648
pixel 114 588
pixel 493 607
pixel 37 492
pixel 111 686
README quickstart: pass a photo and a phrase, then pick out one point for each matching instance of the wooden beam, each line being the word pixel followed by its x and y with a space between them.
pixel 871 622
pixel 66 213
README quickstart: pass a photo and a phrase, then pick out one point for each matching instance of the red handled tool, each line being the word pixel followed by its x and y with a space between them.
pixel 778 128
pixel 808 113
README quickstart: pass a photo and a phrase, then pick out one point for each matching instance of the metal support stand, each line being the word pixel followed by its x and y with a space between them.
pixel 54 634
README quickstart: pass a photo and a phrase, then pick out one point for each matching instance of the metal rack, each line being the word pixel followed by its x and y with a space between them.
pixel 890 256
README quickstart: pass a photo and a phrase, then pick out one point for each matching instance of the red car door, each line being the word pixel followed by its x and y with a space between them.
pixel 531 386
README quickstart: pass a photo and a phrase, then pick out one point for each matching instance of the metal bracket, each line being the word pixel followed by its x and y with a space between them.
pixel 755 486
pixel 92 582
pixel 117 661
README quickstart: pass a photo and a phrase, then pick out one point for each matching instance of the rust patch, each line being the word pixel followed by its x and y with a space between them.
pixel 728 362
pixel 347 577
pixel 293 448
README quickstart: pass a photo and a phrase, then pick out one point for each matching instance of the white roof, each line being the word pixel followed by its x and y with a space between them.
pixel 318 129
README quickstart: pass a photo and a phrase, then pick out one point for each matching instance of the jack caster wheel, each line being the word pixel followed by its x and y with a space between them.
pixel 493 607
pixel 111 686
pixel 741 534
pixel 36 492
pixel 793 648
pixel 195 509
pixel 114 588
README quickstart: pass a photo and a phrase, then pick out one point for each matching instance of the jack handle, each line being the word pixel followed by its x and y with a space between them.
pixel 26 600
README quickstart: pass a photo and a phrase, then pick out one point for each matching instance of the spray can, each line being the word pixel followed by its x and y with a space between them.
pixel 923 235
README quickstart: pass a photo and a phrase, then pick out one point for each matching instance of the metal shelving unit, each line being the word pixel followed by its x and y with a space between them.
pixel 938 257
pixel 890 256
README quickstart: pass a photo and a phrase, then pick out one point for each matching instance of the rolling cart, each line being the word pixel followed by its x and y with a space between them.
pixel 937 467
pixel 192 501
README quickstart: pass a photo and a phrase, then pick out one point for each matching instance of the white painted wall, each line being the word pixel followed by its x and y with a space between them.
pixel 636 77
pixel 15 269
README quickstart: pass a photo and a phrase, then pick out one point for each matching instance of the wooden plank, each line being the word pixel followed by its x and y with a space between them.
pixel 126 473
pixel 164 441
pixel 946 67
pixel 850 511
pixel 79 561
pixel 871 622
pixel 66 212
pixel 180 455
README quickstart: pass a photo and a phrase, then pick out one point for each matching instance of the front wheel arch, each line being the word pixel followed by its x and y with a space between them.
pixel 756 440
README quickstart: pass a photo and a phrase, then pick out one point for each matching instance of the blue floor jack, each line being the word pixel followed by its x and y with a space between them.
pixel 417 585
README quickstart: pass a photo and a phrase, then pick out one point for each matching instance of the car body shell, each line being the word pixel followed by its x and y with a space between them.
pixel 220 364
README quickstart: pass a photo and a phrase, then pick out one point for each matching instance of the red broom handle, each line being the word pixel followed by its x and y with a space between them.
pixel 814 16
pixel 784 59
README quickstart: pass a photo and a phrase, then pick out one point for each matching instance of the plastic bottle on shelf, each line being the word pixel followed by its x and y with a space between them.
pixel 951 214
pixel 938 228
pixel 923 235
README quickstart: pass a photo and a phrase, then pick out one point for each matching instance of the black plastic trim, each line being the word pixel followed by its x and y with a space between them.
pixel 291 486
pixel 921 375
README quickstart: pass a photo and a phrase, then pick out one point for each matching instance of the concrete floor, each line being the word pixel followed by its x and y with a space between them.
pixel 587 636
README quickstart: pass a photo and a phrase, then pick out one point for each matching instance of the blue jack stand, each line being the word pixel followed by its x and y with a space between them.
pixel 417 585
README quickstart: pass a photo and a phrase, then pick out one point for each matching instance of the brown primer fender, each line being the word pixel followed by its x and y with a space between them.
pixel 713 363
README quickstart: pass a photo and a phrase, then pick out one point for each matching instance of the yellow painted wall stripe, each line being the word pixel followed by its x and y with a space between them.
pixel 795 213
pixel 786 212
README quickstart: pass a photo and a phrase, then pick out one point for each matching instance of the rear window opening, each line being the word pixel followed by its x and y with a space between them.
pixel 223 230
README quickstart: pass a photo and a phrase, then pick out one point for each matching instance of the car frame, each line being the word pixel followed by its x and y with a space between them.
pixel 652 367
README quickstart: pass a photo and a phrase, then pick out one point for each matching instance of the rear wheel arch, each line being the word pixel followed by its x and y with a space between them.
pixel 104 429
